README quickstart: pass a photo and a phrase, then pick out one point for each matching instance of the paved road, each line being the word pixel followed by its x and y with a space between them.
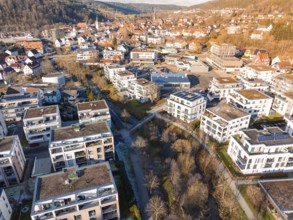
pixel 220 169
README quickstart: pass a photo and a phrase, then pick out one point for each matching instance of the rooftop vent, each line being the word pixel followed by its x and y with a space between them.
pixel 76 127
pixel 66 182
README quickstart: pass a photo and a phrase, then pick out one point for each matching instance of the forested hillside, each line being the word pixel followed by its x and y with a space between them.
pixel 36 14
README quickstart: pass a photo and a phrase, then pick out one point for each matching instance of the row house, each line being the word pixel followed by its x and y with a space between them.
pixel 265 73
pixel 14 106
pixel 143 90
pixel 77 193
pixel 251 101
pixel 81 144
pixel 262 151
pixel 221 87
pixel 32 69
pixel 186 106
pixel 223 121
pixel 262 58
pixel 36 44
pixel 91 112
pixel 39 122
pixel 12 162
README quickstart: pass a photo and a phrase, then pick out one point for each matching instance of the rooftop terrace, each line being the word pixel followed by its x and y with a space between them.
pixel 97 105
pixel 252 94
pixel 40 112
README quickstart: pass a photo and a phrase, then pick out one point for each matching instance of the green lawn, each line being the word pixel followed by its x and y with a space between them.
pixel 137 109
pixel 27 215
pixel 264 215
pixel 222 152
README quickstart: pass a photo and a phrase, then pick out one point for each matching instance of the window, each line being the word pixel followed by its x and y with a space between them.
pixel 77 217
pixel 92 213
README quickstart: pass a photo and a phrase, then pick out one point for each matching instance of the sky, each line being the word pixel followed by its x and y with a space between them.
pixel 169 2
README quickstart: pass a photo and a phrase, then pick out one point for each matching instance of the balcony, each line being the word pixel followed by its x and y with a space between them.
pixel 89 205
pixel 59 165
pixel 108 148
pixel 79 154
pixel 47 216
pixel 58 158
pixel 109 208
pixel 73 147
pixel 107 191
pixel 108 141
pixel 4 161
pixel 80 160
pixel 56 150
pixel 94 143
pixel 65 211
pixel 108 199
pixel 110 215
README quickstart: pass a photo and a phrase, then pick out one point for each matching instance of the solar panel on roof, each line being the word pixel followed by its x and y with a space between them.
pixel 265 137
pixel 281 136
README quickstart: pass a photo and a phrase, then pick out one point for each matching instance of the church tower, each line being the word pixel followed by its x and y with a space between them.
pixel 97 23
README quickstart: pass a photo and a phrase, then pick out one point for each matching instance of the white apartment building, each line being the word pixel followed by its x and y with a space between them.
pixel 266 151
pixel 14 106
pixel 251 101
pixel 223 121
pixel 289 126
pixel 39 122
pixel 111 70
pixel 97 111
pixel 12 161
pixel 282 83
pixel 86 54
pixel 283 104
pixel 144 56
pixel 186 106
pixel 87 193
pixel 223 50
pixel 3 127
pixel 257 84
pixel 113 55
pixel 5 207
pixel 265 73
pixel 143 90
pixel 81 145
pixel 122 80
pixel 221 87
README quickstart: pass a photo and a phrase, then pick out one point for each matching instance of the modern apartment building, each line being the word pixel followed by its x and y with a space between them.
pixel 265 73
pixel 5 207
pixel 111 70
pixel 220 87
pixel 171 81
pixel 223 50
pixel 122 80
pixel 283 104
pixel 266 151
pixel 144 56
pixel 14 106
pixel 97 111
pixel 39 122
pixel 86 54
pixel 12 161
pixel 223 121
pixel 282 83
pixel 186 106
pixel 257 84
pixel 143 90
pixel 81 145
pixel 115 55
pixel 251 101
pixel 86 193
pixel 3 127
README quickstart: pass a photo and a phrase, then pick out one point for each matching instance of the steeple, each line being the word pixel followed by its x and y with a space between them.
pixel 97 23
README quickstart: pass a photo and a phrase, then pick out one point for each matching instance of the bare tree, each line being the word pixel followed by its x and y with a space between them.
pixel 152 181
pixel 100 81
pixel 139 142
pixel 175 176
pixel 182 146
pixel 186 163
pixel 47 66
pixel 125 115
pixel 156 208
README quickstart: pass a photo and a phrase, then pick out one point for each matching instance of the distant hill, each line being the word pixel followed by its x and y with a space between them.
pixel 134 8
pixel 284 5
pixel 37 14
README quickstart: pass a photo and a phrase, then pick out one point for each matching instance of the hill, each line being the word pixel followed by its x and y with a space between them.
pixel 18 15
pixel 266 5
pixel 134 8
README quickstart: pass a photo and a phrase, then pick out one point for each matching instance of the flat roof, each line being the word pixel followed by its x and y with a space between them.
pixel 6 143
pixel 125 73
pixel 187 95
pixel 227 111
pixel 143 82
pixel 96 105
pixel 226 80
pixel 41 111
pixel 281 192
pixel 261 68
pixel 54 184
pixel 269 137
pixel 18 96
pixel 170 78
pixel 252 94
pixel 65 133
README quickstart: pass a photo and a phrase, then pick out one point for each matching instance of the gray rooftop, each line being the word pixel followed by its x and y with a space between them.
pixel 40 112
pixel 96 105
pixel 169 78
pixel 227 111
pixel 6 143
pixel 187 95
pixel 70 132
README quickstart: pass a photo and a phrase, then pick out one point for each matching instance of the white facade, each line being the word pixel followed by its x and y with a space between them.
pixel 289 126
pixel 143 56
pixel 223 121
pixel 122 80
pixel 282 83
pixel 39 122
pixel 54 78
pixel 283 104
pixel 3 127
pixel 86 193
pixel 221 87
pixel 256 84
pixel 264 73
pixel 32 69
pixel 186 106
pixel 110 71
pixel 5 207
pixel 14 106
pixel 113 55
pixel 251 101
pixel 86 54
pixel 143 90
pixel 97 111
pixel 266 151
pixel 81 145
